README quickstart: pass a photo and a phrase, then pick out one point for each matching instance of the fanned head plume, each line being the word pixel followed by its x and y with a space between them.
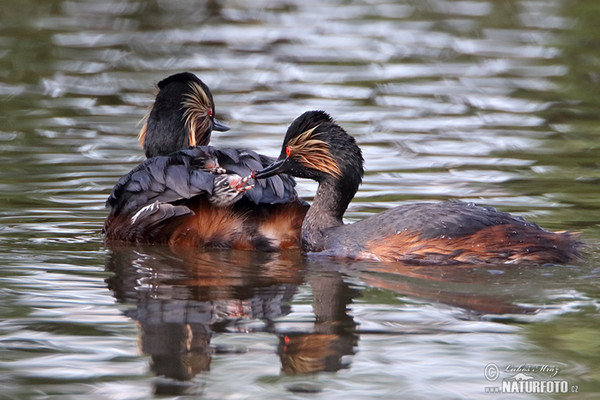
pixel 198 112
pixel 316 142
pixel 315 147
pixel 312 152
pixel 305 122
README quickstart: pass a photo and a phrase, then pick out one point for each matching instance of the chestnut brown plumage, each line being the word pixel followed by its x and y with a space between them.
pixel 436 233
pixel 175 135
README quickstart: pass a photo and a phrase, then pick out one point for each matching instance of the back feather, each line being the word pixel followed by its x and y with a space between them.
pixel 164 179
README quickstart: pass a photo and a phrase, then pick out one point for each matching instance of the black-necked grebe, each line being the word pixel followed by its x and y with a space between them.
pixel 316 147
pixel 153 201
pixel 268 215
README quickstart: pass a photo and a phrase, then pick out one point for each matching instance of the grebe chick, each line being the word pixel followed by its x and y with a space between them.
pixel 315 147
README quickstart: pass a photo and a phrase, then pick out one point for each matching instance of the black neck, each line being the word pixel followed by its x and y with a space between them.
pixel 327 210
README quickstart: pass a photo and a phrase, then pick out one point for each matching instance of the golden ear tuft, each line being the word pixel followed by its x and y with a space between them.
pixel 144 122
pixel 197 108
pixel 142 134
pixel 313 153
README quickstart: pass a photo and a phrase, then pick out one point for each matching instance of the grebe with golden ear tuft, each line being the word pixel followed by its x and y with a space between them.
pixel 317 148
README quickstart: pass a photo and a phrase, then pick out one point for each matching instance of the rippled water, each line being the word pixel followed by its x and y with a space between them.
pixel 493 102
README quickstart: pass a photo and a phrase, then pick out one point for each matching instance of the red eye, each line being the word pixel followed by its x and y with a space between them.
pixel 287 151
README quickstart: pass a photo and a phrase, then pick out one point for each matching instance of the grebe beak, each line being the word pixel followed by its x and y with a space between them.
pixel 220 126
pixel 278 167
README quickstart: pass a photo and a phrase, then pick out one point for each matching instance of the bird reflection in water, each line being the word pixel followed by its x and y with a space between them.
pixel 465 286
pixel 334 333
pixel 182 300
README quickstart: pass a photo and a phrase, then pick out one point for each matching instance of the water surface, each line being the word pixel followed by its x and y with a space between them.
pixel 492 102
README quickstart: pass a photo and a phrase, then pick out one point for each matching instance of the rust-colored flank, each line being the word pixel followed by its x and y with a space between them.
pixel 498 243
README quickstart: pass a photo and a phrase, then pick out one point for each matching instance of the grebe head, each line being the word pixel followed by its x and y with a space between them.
pixel 227 189
pixel 182 115
pixel 315 147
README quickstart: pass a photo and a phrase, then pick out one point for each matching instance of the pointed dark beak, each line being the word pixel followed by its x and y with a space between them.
pixel 220 126
pixel 278 167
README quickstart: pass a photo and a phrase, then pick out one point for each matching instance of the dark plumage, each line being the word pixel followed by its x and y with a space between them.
pixel 182 115
pixel 145 203
pixel 317 148
pixel 178 175
pixel 181 175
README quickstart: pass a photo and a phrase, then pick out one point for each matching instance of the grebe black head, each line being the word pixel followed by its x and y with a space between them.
pixel 448 232
pixel 183 115
pixel 315 147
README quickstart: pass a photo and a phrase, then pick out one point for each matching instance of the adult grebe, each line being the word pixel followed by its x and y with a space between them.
pixel 151 202
pixel 269 215
pixel 316 147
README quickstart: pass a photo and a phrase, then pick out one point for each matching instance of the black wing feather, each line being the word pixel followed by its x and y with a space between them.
pixel 232 154
pixel 165 179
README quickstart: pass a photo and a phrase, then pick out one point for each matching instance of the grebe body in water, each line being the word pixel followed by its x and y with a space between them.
pixel 317 148
pixel 175 136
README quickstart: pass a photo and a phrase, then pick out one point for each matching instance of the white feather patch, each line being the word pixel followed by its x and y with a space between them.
pixel 150 208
